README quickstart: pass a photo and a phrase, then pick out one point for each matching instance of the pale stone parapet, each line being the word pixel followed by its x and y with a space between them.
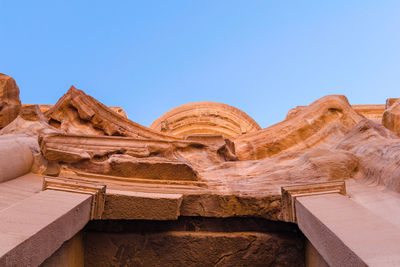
pixel 34 228
pixel 380 201
pixel 347 234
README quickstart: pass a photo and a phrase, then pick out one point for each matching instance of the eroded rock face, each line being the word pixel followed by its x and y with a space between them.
pixel 45 108
pixel 131 157
pixel 372 112
pixel 30 121
pixel 268 175
pixel 78 113
pixel 9 100
pixel 318 124
pixel 26 129
pixel 378 150
pixel 391 116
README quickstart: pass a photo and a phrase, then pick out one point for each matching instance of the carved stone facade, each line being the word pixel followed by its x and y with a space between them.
pixel 205 118
pixel 203 185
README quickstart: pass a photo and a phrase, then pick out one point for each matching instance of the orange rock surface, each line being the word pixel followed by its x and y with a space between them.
pixel 391 116
pixel 79 113
pixel 318 124
pixel 45 108
pixel 9 100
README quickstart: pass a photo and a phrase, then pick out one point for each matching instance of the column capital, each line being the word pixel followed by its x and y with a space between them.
pixel 291 192
pixel 75 185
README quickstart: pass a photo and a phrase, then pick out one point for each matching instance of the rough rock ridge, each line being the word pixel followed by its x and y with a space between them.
pixel 78 113
pixel 314 125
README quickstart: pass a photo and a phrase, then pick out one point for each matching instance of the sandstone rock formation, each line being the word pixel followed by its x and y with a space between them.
pixel 202 185
pixel 378 152
pixel 9 100
pixel 391 116
pixel 315 125
pixel 30 121
pixel 45 108
pixel 79 113
pixel 26 129
pixel 372 112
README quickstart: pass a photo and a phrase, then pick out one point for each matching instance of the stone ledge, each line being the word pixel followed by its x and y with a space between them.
pixel 141 206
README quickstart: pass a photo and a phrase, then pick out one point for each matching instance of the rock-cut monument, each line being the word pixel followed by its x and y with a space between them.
pixel 83 185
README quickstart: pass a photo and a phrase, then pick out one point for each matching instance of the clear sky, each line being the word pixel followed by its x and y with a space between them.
pixel 148 57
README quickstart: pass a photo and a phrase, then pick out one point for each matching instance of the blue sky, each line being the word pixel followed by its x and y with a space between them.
pixel 263 57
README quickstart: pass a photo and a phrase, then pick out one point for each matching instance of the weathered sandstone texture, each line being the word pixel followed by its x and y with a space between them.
pixel 312 126
pixel 204 177
pixel 45 108
pixel 30 121
pixel 391 116
pixel 79 113
pixel 372 112
pixel 193 242
pixel 9 100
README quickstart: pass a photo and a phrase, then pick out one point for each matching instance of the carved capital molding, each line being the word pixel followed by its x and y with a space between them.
pixel 72 185
pixel 291 192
